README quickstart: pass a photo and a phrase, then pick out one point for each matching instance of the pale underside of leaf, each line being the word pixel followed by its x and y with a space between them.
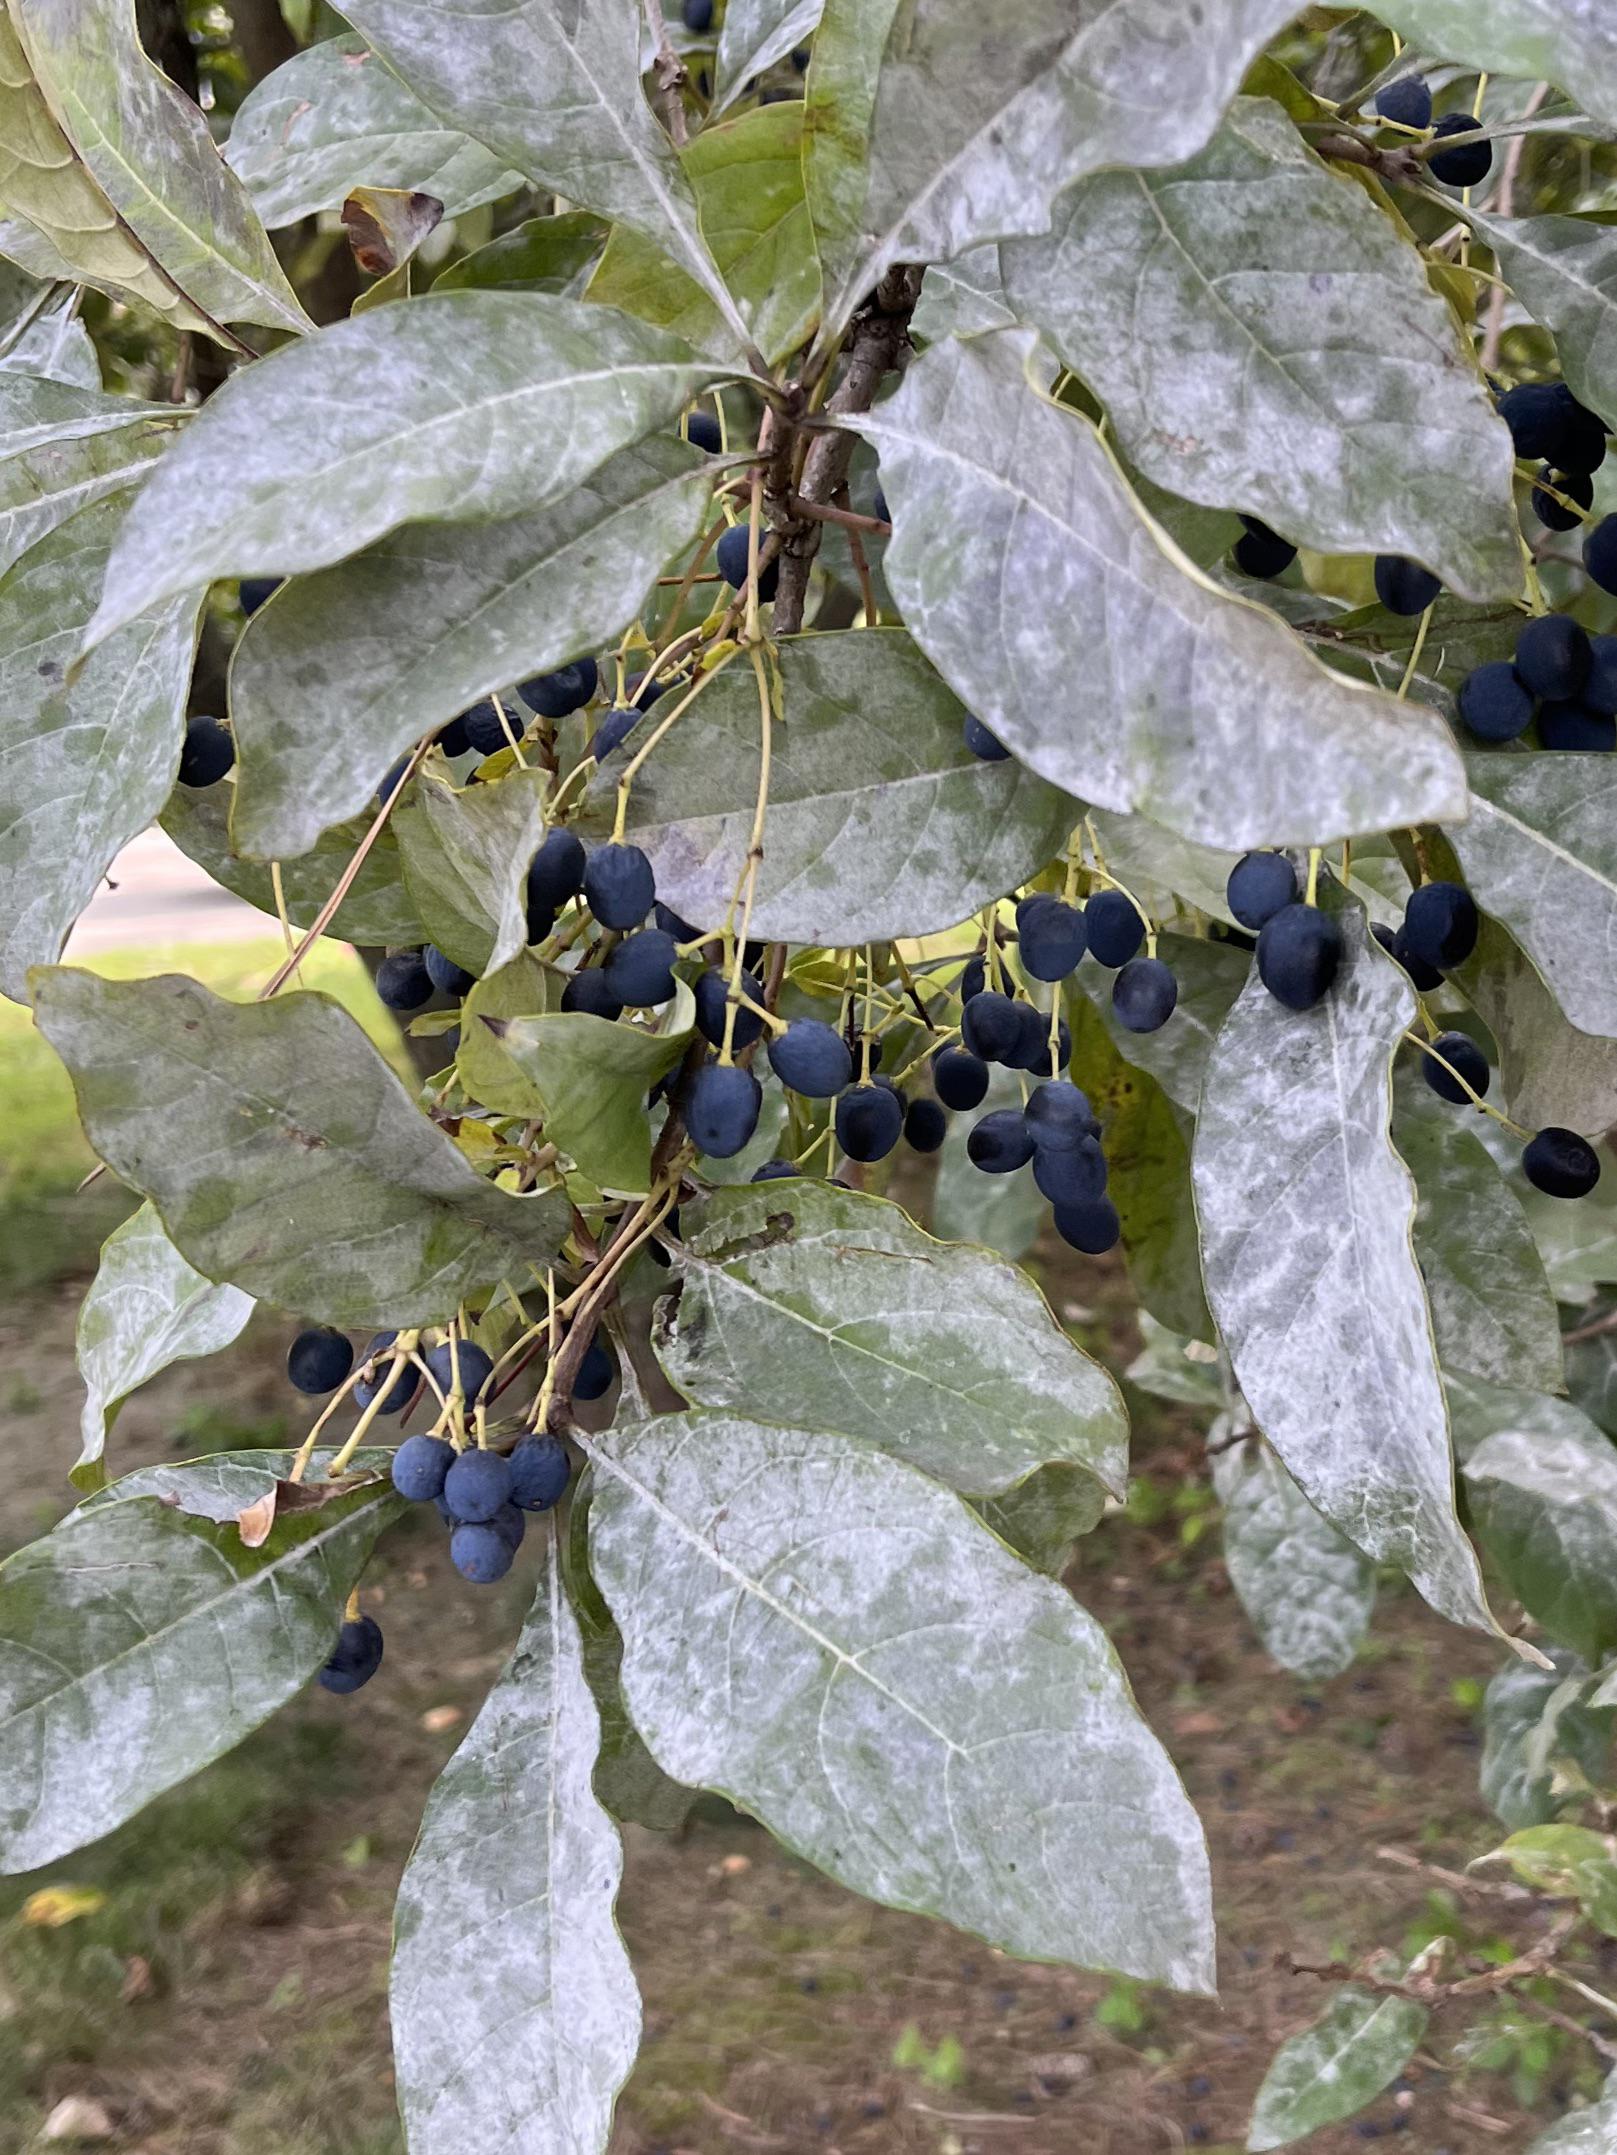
pixel 1361 2042
pixel 753 36
pixel 515 2013
pixel 826 1307
pixel 881 821
pixel 334 117
pixel 1307 1590
pixel 1306 1213
pixel 282 1152
pixel 1571 43
pixel 498 403
pixel 146 1308
pixel 40 488
pixel 1549 1071
pixel 409 633
pixel 833 1640
pixel 1133 682
pixel 138 1642
pixel 466 855
pixel 1539 850
pixel 1546 1507
pixel 1264 338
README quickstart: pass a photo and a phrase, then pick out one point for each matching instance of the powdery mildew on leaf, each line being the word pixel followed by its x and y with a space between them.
pixel 1307 1590
pixel 1361 2042
pixel 1571 43
pixel 1564 271
pixel 1546 1508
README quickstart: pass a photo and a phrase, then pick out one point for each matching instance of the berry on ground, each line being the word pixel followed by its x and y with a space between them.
pixel 1299 951
pixel 319 1359
pixel 1561 1163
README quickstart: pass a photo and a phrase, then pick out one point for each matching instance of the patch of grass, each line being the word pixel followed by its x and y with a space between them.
pixel 48 1233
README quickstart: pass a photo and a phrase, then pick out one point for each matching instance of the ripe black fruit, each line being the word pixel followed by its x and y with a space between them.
pixel 477 1485
pixel 1093 1228
pixel 697 16
pixel 556 872
pixel 619 886
pixel 1060 1116
pixel 254 590
pixel 420 1467
pixel 319 1359
pixel 710 1011
pixel 1600 690
pixel 355 1658
pixel 1575 726
pixel 1560 1163
pixel 402 980
pixel 991 1026
pixel 1553 657
pixel 482 1554
pixel 446 976
pixel 452 739
pixel 1403 586
pixel 1493 703
pixel 1467 167
pixel 595 1372
pixel 1071 1178
pixel 1259 885
pixel 1423 976
pixel 1408 101
pixel 1001 1142
pixel 209 751
pixel 775 1171
pixel 1536 414
pixel 490 727
pixel 1144 994
pixel 569 688
pixel 811 1058
pixel 1299 951
pixel 1600 554
pixel 1262 553
pixel 959 1078
pixel 869 1120
pixel 640 971
pixel 973 978
pixel 721 1110
pixel 614 728
pixel 1051 937
pixel 1554 515
pixel 1582 447
pixel 985 746
pixel 1116 930
pixel 731 556
pixel 475 1364
pixel 402 1389
pixel 1463 1056
pixel 1440 924
pixel 539 1472
pixel 587 991
pixel 925 1125
pixel 702 428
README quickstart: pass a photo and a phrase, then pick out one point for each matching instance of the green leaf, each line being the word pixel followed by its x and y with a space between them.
pixel 222 1485
pixel 1585 2132
pixel 34 412
pixel 935 126
pixel 555 91
pixel 419 626
pixel 55 346
pixel 1045 1517
pixel 497 403
pixel 1539 850
pixel 282 1152
pixel 1492 1310
pixel 83 769
pixel 964 297
pixel 466 855
pixel 547 254
pixel 1564 271
pixel 146 1309
pixel 1478 1411
pixel 1545 1508
pixel 1591 1379
pixel 881 821
pixel 525 988
pixel 1210 976
pixel 1572 43
pixel 999 1212
pixel 138 1642
pixel 1572 1863
pixel 377 909
pixel 1306 1212
pixel 1531 1718
pixel 832 1640
pixel 1146 1140
pixel 753 36
pixel 1548 1070
pixel 1253 318
pixel 334 118
pixel 43 485
pixel 1173 1366
pixel 1159 865
pixel 1198 710
pixel 1360 2044
pixel 505 1918
pixel 804 1304
pixel 116 167
pixel 1307 1590
pixel 747 176
pixel 589 1081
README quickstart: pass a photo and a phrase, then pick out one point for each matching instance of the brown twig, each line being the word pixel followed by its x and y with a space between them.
pixel 829 512
pixel 1596 1328
pixel 1396 164
pixel 668 73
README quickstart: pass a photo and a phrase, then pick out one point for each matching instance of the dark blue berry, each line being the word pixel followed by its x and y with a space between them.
pixel 613 730
pixel 1422 976
pixel 702 428
pixel 640 970
pixel 568 689
pixel 1460 1054
pixel 811 1058
pixel 319 1359
pixel 1093 1228
pixel 973 978
pixel 731 556
pixel 1600 553
pixel 1467 167
pixel 490 727
pixel 476 1367
pixel 209 751
pixel 595 1372
pixel 925 1125
pixel 697 16
pixel 1144 994
pixel 775 1171
pixel 446 976
pixel 985 746
pixel 1000 1142
pixel 539 1471
pixel 869 1120
pixel 1440 924
pixel 619 886
pixel 711 1007
pixel 1553 657
pixel 355 1658
pixel 1582 448
pixel 481 1553
pixel 1537 415
pixel 1261 553
pixel 721 1109
pixel 1051 937
pixel 1493 703
pixel 587 991
pixel 254 590
pixel 1259 885
pixel 1403 586
pixel 1576 727
pixel 1060 1116
pixel 452 739
pixel 1600 690
pixel 1071 1178
pixel 959 1078
pixel 1116 930
pixel 555 874
pixel 1554 515
pixel 392 779
pixel 991 1026
pixel 510 1523
pixel 1561 1163
pixel 1299 950
pixel 1408 101
pixel 669 921
pixel 403 982
pixel 420 1466
pixel 477 1485
pixel 400 1392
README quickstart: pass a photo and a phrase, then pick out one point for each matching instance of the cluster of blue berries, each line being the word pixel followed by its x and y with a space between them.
pixel 1561 678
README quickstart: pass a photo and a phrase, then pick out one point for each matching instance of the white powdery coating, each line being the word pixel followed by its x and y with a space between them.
pixel 1307 1590
pixel 833 1640
pixel 1572 43
pixel 1335 2067
pixel 1564 272
pixel 1546 1502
